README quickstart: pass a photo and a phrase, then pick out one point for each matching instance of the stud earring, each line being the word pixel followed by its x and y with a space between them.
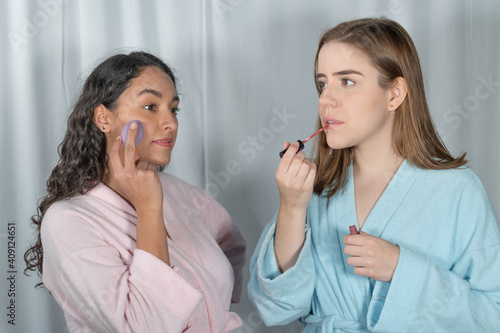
pixel 102 128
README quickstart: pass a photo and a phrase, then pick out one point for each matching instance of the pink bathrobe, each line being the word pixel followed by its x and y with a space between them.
pixel 104 284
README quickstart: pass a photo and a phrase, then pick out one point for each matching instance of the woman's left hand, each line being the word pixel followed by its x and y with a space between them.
pixel 371 256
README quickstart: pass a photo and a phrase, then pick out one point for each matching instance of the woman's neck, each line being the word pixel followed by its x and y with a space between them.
pixel 382 161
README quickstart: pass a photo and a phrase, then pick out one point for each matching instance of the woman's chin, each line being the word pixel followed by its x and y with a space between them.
pixel 157 161
pixel 335 144
pixel 162 162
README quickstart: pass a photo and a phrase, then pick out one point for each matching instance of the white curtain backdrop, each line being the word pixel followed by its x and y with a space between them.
pixel 245 70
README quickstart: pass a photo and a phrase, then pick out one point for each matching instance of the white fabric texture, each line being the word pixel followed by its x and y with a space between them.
pixel 245 78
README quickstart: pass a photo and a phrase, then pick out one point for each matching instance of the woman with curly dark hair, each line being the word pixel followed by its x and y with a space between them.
pixel 121 246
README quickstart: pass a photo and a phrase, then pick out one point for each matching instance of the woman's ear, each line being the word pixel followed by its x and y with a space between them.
pixel 101 118
pixel 398 93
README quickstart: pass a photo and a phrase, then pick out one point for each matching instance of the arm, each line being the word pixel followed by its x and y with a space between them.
pixel 295 178
pixel 428 294
pixel 102 291
pixel 466 298
pixel 138 182
pixel 279 297
pixel 282 274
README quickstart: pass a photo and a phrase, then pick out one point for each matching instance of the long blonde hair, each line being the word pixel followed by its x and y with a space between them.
pixel 391 50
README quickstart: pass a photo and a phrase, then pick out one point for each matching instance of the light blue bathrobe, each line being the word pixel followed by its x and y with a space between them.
pixel 448 274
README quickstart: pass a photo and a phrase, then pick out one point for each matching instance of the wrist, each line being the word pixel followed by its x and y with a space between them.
pixel 150 214
pixel 292 212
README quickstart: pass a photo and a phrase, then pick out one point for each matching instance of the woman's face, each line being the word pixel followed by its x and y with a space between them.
pixel 152 99
pixel 352 102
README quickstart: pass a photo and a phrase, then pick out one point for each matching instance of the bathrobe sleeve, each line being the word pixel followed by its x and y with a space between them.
pixel 99 292
pixel 281 298
pixel 424 296
pixel 226 234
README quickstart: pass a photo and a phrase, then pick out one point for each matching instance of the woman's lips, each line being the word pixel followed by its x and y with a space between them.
pixel 165 142
pixel 329 123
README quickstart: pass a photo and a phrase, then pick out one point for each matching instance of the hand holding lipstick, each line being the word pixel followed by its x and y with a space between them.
pixel 295 178
pixel 371 256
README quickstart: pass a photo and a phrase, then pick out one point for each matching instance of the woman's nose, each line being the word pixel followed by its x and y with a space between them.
pixel 168 121
pixel 328 98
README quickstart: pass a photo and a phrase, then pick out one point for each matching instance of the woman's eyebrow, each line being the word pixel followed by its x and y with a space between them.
pixel 157 94
pixel 347 72
pixel 339 73
pixel 149 91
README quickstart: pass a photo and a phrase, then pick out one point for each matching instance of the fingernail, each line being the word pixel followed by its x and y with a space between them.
pixel 118 138
pixel 133 125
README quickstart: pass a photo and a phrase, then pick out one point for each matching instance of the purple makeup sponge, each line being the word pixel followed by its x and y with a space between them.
pixel 140 132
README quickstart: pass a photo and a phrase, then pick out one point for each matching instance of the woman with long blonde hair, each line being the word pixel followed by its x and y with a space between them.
pixel 426 258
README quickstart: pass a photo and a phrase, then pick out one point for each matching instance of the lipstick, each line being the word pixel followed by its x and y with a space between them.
pixel 353 230
pixel 301 142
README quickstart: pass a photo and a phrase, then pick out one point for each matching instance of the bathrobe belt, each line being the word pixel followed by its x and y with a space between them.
pixel 334 322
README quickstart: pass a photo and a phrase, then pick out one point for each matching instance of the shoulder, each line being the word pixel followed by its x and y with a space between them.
pixel 72 214
pixel 171 180
pixel 455 181
pixel 68 225
pixel 179 190
pixel 63 209
pixel 454 190
pixel 461 195
pixel 174 187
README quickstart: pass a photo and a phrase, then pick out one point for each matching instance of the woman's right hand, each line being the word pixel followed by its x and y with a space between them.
pixel 137 179
pixel 139 182
pixel 295 178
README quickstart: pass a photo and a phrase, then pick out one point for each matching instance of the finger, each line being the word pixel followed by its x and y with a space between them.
pixel 286 144
pixel 357 240
pixel 132 134
pixel 353 250
pixel 297 162
pixel 130 149
pixel 136 158
pixel 114 155
pixel 287 158
pixel 142 165
pixel 152 166
pixel 311 176
pixel 303 170
pixel 146 165
pixel 292 150
pixel 355 261
pixel 362 271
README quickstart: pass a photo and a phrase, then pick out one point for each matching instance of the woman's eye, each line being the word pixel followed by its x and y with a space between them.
pixel 347 82
pixel 150 107
pixel 175 110
pixel 322 85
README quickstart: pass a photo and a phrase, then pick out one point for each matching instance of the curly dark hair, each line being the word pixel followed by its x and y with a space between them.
pixel 83 151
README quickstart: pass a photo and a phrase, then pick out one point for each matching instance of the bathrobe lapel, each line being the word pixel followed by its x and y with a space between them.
pixel 390 200
pixel 344 212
